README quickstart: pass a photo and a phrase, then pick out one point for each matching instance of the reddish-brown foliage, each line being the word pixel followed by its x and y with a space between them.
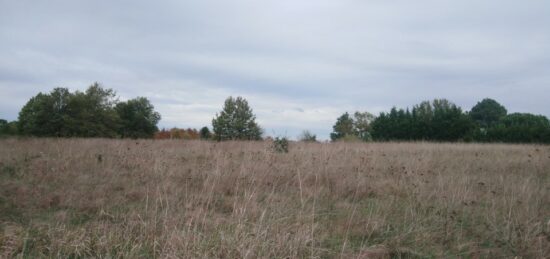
pixel 176 133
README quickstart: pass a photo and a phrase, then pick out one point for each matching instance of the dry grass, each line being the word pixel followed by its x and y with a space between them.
pixel 123 198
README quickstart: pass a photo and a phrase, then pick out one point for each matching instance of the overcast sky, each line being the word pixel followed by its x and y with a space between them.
pixel 300 64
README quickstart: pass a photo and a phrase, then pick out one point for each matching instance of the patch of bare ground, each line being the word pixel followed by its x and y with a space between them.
pixel 144 198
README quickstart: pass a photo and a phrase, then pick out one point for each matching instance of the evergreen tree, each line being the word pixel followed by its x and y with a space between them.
pixel 236 121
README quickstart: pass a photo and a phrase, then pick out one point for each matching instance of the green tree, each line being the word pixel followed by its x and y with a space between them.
pixel 362 123
pixel 487 113
pixel 45 114
pixel 439 120
pixel 205 133
pixel 3 125
pixel 236 121
pixel 8 128
pixel 380 127
pixel 344 127
pixel 138 118
pixel 395 125
pixel 92 113
pixel 421 120
pixel 521 128
pixel 449 122
pixel 61 113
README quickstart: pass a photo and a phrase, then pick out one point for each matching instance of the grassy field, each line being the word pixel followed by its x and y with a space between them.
pixel 195 199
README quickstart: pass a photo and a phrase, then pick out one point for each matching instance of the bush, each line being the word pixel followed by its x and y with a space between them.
pixel 280 145
pixel 307 136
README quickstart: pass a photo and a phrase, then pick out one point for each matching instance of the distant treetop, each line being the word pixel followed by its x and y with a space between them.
pixel 236 121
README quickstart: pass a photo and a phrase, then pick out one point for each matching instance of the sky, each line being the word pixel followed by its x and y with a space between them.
pixel 300 64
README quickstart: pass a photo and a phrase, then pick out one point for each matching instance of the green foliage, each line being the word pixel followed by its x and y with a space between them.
pixel 3 125
pixel 236 121
pixel 138 118
pixel 520 128
pixel 449 122
pixel 362 124
pixel 307 136
pixel 205 133
pixel 395 125
pixel 439 120
pixel 357 127
pixel 93 113
pixel 487 113
pixel 8 128
pixel 42 115
pixel 343 127
pixel 280 145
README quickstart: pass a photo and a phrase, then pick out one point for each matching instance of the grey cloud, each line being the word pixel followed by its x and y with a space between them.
pixel 296 61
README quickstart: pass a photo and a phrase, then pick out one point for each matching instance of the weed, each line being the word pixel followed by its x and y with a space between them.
pixel 280 145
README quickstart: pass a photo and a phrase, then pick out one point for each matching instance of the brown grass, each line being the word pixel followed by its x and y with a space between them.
pixel 193 199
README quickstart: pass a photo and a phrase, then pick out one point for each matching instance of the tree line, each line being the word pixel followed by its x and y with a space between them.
pixel 97 112
pixel 442 120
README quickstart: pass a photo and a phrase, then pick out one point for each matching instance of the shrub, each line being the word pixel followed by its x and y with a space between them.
pixel 280 145
pixel 307 136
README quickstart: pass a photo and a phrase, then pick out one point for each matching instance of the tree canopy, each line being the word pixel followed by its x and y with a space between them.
pixel 8 128
pixel 520 128
pixel 236 121
pixel 93 113
pixel 97 112
pixel 487 113
pixel 442 120
pixel 138 118
pixel 343 127
pixel 356 127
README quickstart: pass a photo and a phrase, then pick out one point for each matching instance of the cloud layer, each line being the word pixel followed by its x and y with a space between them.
pixel 299 63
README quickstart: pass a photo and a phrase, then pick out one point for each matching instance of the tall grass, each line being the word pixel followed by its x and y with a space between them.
pixel 195 199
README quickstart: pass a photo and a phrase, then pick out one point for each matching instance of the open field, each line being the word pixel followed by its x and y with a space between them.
pixel 124 198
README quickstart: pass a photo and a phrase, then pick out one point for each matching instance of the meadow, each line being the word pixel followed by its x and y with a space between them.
pixel 106 198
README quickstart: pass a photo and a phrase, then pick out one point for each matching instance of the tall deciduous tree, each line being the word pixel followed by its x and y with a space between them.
pixel 362 123
pixel 236 121
pixel 46 114
pixel 138 118
pixel 487 113
pixel 92 113
pixel 343 127
pixel 521 128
